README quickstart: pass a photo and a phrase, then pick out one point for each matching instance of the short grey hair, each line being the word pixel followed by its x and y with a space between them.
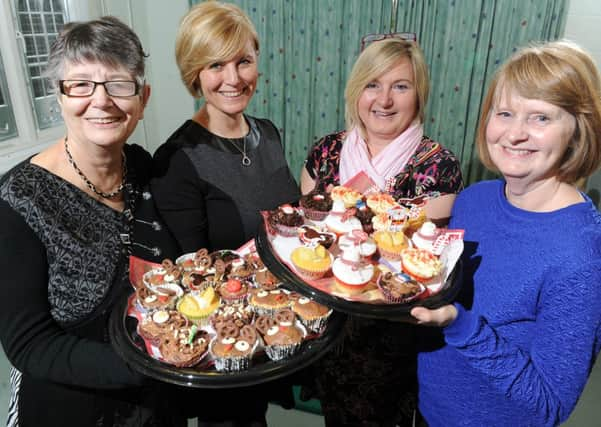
pixel 106 40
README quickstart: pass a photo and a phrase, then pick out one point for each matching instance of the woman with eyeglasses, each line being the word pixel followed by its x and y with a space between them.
pixel 71 216
pixel 517 346
pixel 372 378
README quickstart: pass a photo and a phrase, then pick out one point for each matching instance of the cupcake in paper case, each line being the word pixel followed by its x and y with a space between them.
pixel 312 314
pixel 380 202
pixel 391 244
pixel 185 347
pixel 234 291
pixel 160 297
pixel 240 314
pixel 265 279
pixel 346 195
pixel 240 269
pixel 399 288
pixel 340 220
pixel 425 237
pixel 160 323
pixel 420 264
pixel 311 263
pixel 316 205
pixel 365 244
pixel 232 349
pixel 352 272
pixel 265 302
pixel 282 334
pixel 197 261
pixel 285 220
pixel 198 306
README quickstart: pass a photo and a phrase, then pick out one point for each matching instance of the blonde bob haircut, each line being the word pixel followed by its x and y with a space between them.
pixel 211 32
pixel 378 58
pixel 563 74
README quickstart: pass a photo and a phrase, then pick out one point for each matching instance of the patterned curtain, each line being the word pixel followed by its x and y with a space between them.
pixel 309 46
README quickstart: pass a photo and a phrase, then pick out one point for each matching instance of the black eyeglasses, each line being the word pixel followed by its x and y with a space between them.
pixel 83 88
pixel 370 38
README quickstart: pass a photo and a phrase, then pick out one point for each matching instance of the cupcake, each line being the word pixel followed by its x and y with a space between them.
pixel 352 272
pixel 311 263
pixel 366 245
pixel 310 235
pixel 240 269
pixel 281 334
pixel 234 290
pixel 198 306
pixel 265 279
pixel 161 297
pixel 398 287
pixel 380 202
pixel 346 195
pixel 425 237
pixel 239 313
pixel 161 322
pixel 420 264
pixel 197 261
pixel 416 217
pixel 316 205
pixel 312 314
pixel 268 302
pixel 364 214
pixel 185 347
pixel 340 220
pixel 391 243
pixel 285 220
pixel 233 347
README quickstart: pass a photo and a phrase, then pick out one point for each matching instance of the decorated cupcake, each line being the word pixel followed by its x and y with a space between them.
pixel 161 322
pixel 268 302
pixel 380 202
pixel 366 245
pixel 311 263
pixel 340 220
pixel 240 314
pixel 312 314
pixel 198 306
pixel 160 297
pixel 352 272
pixel 282 335
pixel 285 220
pixel 391 243
pixel 233 347
pixel 234 290
pixel 425 237
pixel 311 235
pixel 265 279
pixel 399 288
pixel 416 217
pixel 316 205
pixel 197 261
pixel 240 269
pixel 185 347
pixel 420 264
pixel 346 195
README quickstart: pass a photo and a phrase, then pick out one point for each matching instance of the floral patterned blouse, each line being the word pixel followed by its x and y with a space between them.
pixel 431 169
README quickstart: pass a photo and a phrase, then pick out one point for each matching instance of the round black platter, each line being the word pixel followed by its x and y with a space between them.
pixel 445 295
pixel 130 346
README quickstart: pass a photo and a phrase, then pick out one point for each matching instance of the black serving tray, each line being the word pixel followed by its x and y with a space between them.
pixel 445 295
pixel 130 346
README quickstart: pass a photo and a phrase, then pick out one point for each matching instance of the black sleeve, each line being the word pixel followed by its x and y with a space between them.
pixel 33 342
pixel 180 198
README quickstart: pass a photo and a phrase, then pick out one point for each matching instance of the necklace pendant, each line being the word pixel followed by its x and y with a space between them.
pixel 245 160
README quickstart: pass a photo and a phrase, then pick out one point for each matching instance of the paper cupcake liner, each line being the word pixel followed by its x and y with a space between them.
pixel 278 352
pixel 286 230
pixel 390 255
pixel 239 299
pixel 234 363
pixel 398 300
pixel 267 311
pixel 311 274
pixel 314 214
pixel 317 324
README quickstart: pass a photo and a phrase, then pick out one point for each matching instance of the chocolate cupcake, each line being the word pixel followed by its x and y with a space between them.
pixel 312 314
pixel 281 334
pixel 285 220
pixel 233 347
pixel 399 288
pixel 240 314
pixel 264 302
pixel 316 205
pixel 313 236
pixel 364 214
pixel 234 290
pixel 185 347
pixel 160 323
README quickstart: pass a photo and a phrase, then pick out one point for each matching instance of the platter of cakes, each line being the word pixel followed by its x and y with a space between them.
pixel 362 254
pixel 218 319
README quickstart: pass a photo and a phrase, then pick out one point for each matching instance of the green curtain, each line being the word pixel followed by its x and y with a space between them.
pixel 308 48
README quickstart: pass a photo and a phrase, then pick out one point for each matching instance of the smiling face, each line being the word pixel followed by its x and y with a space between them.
pixel 388 104
pixel 527 138
pixel 99 118
pixel 229 86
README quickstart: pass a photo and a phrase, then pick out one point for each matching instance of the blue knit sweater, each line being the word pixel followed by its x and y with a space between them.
pixel 529 324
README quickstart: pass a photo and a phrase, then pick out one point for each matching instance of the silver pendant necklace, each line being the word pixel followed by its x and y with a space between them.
pixel 245 159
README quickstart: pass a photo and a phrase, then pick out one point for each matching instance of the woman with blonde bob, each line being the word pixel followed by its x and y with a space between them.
pixel 372 380
pixel 222 167
pixel 526 331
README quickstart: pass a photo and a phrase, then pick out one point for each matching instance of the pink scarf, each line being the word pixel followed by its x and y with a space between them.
pixel 382 168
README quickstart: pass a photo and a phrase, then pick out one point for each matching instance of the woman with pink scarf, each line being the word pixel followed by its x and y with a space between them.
pixel 371 380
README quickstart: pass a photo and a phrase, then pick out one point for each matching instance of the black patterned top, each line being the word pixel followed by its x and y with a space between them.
pixel 65 264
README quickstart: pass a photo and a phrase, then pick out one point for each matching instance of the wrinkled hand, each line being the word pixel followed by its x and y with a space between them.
pixel 440 317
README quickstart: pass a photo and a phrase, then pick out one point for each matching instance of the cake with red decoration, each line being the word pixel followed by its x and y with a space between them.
pixel 352 272
pixel 316 205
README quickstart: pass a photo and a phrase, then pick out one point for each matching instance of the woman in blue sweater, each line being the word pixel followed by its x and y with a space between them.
pixel 518 345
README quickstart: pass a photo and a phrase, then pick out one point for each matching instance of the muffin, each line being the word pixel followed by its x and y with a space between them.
pixel 316 205
pixel 268 302
pixel 285 220
pixel 185 347
pixel 310 235
pixel 391 243
pixel 233 347
pixel 312 314
pixel 420 264
pixel 351 271
pixel 340 220
pixel 198 306
pixel 311 263
pixel 398 287
pixel 161 322
pixel 281 334
pixel 234 290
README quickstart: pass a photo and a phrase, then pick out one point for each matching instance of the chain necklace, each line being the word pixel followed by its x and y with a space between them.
pixel 89 183
pixel 245 159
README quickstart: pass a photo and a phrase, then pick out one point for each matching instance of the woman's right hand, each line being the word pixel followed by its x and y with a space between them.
pixel 439 317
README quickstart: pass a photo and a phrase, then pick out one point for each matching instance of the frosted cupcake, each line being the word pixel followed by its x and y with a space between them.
pixel 399 288
pixel 366 245
pixel 282 335
pixel 198 306
pixel 340 220
pixel 316 205
pixel 351 271
pixel 425 237
pixel 267 302
pixel 285 220
pixel 312 314
pixel 233 347
pixel 311 263
pixel 346 195
pixel 186 347
pixel 391 244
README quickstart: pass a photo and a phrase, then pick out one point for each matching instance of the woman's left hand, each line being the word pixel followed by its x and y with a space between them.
pixel 440 317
